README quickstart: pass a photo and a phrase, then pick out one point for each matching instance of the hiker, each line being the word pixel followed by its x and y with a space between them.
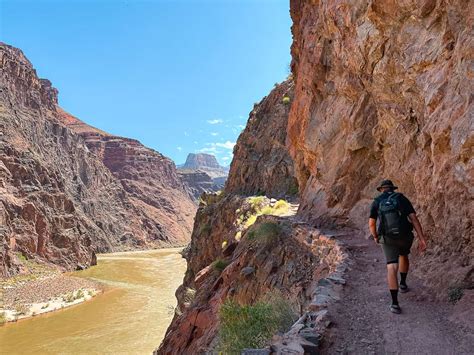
pixel 395 233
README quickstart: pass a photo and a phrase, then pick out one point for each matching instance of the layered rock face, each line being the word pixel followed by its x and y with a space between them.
pixel 58 201
pixel 149 178
pixel 201 173
pixel 262 163
pixel 203 161
pixel 383 89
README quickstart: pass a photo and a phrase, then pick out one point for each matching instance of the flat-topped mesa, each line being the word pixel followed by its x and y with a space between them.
pixel 66 195
pixel 201 160
pixel 202 174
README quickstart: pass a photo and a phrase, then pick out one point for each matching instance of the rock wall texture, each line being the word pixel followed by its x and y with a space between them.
pixel 58 201
pixel 261 162
pixel 149 179
pixel 383 89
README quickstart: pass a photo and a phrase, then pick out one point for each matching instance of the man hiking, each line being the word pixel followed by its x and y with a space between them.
pixel 395 233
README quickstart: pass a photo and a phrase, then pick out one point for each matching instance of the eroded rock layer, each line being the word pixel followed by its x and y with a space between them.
pixel 58 201
pixel 149 179
pixel 383 89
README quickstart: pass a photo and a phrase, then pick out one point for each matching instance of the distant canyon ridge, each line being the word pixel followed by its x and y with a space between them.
pixel 202 174
pixel 69 190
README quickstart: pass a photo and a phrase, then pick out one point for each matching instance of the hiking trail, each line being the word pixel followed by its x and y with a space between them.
pixel 363 324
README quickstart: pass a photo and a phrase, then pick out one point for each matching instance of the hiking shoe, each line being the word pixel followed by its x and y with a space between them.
pixel 404 288
pixel 395 308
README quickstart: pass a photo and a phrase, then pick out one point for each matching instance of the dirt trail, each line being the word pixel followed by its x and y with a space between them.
pixel 363 324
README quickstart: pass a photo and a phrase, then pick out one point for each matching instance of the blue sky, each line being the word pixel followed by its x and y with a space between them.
pixel 180 76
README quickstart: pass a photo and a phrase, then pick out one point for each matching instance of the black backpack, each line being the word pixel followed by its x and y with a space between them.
pixel 391 218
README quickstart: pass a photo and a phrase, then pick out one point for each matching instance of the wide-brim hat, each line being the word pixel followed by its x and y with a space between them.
pixel 386 183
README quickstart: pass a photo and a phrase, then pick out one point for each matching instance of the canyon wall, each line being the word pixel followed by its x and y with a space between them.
pixel 261 163
pixel 383 89
pixel 149 178
pixel 59 202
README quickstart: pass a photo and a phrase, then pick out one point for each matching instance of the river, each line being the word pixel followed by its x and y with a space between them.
pixel 130 317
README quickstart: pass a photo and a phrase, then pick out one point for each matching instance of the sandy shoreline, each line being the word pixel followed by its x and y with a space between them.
pixel 45 294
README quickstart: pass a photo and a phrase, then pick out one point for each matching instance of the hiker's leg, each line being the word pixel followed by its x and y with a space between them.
pixel 392 273
pixel 404 266
pixel 404 263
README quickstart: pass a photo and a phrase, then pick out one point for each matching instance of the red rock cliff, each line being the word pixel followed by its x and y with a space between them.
pixel 383 89
pixel 149 178
pixel 58 201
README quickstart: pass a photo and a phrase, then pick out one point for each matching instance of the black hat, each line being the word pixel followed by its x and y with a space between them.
pixel 386 183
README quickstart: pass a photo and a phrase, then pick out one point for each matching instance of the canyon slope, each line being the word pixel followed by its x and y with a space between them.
pixel 65 196
pixel 378 89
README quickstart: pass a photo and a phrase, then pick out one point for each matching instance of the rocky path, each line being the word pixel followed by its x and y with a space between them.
pixel 362 323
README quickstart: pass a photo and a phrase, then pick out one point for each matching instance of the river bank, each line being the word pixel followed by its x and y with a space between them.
pixel 130 317
pixel 45 294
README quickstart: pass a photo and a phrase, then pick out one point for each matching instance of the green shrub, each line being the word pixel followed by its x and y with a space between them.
pixel 220 265
pixel 266 233
pixel 286 100
pixel 204 229
pixel 3 318
pixel 293 189
pixel 20 256
pixel 267 210
pixel 281 204
pixel 252 326
pixel 455 294
pixel 238 235
pixel 256 202
pixel 251 220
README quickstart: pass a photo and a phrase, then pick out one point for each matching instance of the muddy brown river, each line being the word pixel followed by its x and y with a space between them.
pixel 130 317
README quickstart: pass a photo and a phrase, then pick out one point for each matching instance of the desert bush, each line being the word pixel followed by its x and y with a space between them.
pixel 286 100
pixel 220 265
pixel 266 233
pixel 293 189
pixel 455 294
pixel 3 318
pixel 21 309
pixel 252 326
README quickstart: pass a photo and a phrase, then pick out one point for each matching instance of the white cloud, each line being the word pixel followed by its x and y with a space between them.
pixel 225 158
pixel 226 145
pixel 212 149
pixel 195 142
pixel 215 121
pixel 214 134
pixel 186 134
pixel 179 148
pixel 241 126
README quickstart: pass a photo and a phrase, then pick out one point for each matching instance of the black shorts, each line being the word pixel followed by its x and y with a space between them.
pixel 394 248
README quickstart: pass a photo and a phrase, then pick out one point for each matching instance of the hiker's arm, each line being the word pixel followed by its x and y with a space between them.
pixel 373 229
pixel 419 231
